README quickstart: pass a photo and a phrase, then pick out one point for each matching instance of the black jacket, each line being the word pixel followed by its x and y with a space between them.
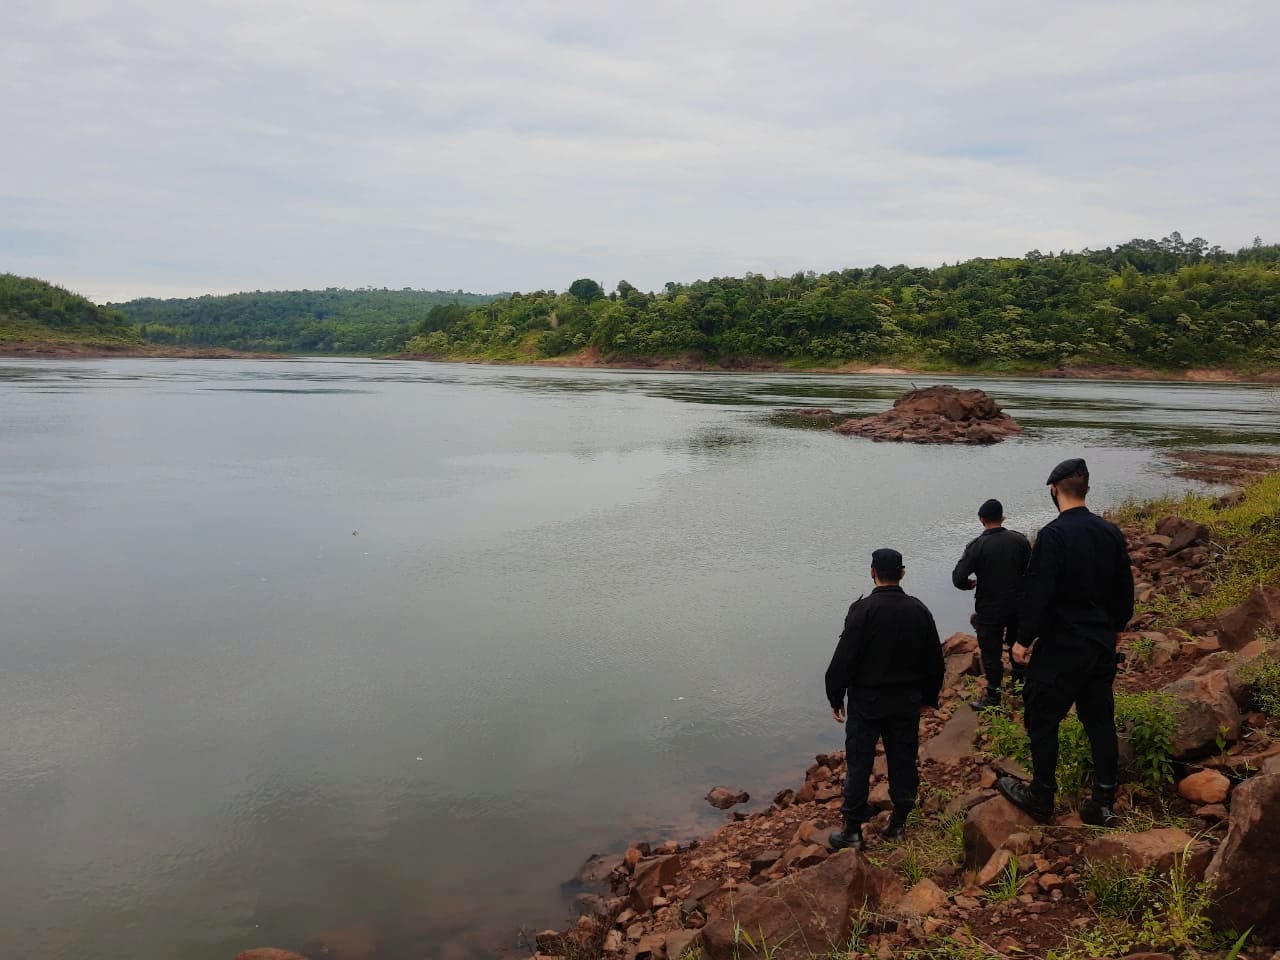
pixel 1078 589
pixel 998 557
pixel 889 641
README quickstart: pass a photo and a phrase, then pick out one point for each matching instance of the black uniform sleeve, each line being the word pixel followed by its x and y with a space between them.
pixel 1121 606
pixel 1040 584
pixel 846 656
pixel 934 667
pixel 1024 552
pixel 965 568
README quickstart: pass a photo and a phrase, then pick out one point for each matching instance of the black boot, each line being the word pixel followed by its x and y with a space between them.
pixel 849 838
pixel 1031 797
pixel 992 699
pixel 896 830
pixel 1098 810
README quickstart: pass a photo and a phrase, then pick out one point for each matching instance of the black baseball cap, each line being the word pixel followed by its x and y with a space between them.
pixel 991 510
pixel 1075 467
pixel 886 560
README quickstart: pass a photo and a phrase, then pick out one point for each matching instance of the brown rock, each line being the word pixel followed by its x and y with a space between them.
pixel 632 857
pixel 1186 536
pixel 1241 678
pixel 1153 848
pixel 941 414
pixel 960 665
pixel 1214 812
pixel 996 865
pixel 679 942
pixel 803 912
pixel 1245 870
pixel 269 953
pixel 960 643
pixel 968 800
pixel 651 946
pixel 925 898
pixel 878 798
pixel 988 825
pixel 955 741
pixel 1207 786
pixel 801 856
pixel 650 877
pixel 1205 707
pixel 1239 625
pixel 722 798
pixel 763 861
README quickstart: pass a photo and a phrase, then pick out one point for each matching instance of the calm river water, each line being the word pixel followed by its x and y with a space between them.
pixel 373 654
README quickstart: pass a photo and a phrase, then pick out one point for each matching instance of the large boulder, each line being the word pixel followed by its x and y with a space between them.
pixel 1204 787
pixel 804 914
pixel 650 877
pixel 1206 710
pixel 1239 625
pixel 1245 870
pixel 722 798
pixel 958 666
pixel 1157 849
pixel 988 825
pixel 941 414
pixel 957 740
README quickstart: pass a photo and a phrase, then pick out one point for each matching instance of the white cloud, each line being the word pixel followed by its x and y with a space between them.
pixel 156 148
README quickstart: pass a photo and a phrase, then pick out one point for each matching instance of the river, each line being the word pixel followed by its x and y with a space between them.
pixel 371 655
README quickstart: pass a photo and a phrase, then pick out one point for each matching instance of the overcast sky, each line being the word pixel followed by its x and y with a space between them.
pixel 160 147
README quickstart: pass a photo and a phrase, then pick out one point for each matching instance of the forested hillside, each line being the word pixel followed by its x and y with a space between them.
pixel 293 321
pixel 1165 304
pixel 33 311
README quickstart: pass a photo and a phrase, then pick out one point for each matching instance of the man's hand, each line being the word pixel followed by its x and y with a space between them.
pixel 838 714
pixel 1021 655
pixel 970 584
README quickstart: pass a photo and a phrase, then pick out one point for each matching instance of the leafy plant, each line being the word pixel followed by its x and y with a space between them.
pixel 1149 721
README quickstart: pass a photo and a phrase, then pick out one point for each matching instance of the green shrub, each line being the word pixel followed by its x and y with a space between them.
pixel 1149 721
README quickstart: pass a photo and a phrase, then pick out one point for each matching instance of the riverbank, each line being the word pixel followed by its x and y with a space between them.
pixel 77 350
pixel 695 362
pixel 1199 706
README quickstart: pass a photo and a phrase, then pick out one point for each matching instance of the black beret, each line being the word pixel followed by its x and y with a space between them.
pixel 1069 468
pixel 991 510
pixel 886 560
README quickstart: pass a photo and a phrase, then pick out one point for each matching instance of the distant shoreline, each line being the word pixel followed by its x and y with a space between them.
pixel 70 350
pixel 693 364
pixel 590 360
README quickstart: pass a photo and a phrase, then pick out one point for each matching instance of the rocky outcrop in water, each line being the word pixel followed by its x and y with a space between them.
pixel 942 414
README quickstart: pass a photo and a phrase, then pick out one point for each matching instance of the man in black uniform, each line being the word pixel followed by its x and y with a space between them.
pixel 998 558
pixel 889 660
pixel 1077 595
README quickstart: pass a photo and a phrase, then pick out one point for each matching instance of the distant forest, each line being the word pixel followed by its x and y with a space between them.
pixel 294 321
pixel 1166 304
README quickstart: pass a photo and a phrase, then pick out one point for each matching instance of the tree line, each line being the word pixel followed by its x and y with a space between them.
pixel 1165 303
pixel 336 321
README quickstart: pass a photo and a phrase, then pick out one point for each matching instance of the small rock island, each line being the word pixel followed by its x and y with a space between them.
pixel 941 414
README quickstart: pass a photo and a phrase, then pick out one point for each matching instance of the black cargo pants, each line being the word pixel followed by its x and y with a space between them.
pixel 894 716
pixel 1057 678
pixel 994 638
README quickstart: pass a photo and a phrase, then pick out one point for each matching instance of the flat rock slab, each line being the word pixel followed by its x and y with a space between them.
pixel 957 739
